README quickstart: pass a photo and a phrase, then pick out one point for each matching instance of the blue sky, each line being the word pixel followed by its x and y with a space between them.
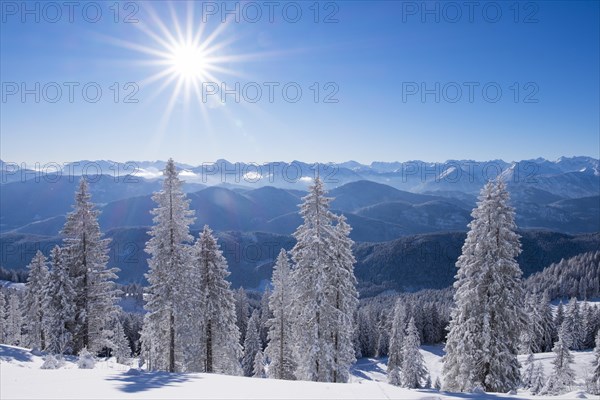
pixel 377 57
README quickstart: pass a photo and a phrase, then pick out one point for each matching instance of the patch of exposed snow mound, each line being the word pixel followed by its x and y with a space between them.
pixel 86 360
pixel 51 362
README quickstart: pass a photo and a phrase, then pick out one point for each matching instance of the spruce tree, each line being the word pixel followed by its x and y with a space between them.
pixel 280 342
pixel 538 379
pixel 573 322
pixel 562 377
pixel 314 315
pixel 529 372
pixel 59 303
pixel 413 371
pixel 3 325
pixel 259 365
pixel 325 293
pixel 86 255
pixel 343 295
pixel 482 343
pixel 37 281
pixel 395 353
pixel 220 347
pixel 120 348
pixel 596 365
pixel 241 312
pixel 252 344
pixel 548 329
pixel 14 321
pixel 265 315
pixel 168 270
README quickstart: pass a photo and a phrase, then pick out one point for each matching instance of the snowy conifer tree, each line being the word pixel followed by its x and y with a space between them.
pixel 220 347
pixel 37 281
pixel 259 365
pixel 252 344
pixel 413 371
pixel 562 377
pixel 169 261
pixel 324 291
pixel 547 332
pixel 59 299
pixel 14 321
pixel 3 325
pixel 343 295
pixel 559 318
pixel 314 315
pixel 265 315
pixel 482 344
pixel 241 312
pixel 280 343
pixel 86 255
pixel 395 353
pixel 538 379
pixel 574 336
pixel 596 365
pixel 120 347
pixel 529 371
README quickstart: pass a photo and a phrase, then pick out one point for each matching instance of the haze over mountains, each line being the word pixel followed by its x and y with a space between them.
pixel 250 205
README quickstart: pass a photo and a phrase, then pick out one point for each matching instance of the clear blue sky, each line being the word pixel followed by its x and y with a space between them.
pixel 375 54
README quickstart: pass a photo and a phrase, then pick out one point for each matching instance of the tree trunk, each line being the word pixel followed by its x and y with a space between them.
pixel 209 352
pixel 172 343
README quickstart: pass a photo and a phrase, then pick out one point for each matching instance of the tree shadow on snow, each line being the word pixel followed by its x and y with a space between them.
pixel 10 353
pixel 138 381
pixel 477 396
pixel 367 365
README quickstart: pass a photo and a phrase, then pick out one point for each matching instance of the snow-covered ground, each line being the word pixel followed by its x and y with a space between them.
pixel 22 378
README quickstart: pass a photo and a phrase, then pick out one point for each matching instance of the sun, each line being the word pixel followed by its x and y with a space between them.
pixel 189 61
pixel 183 54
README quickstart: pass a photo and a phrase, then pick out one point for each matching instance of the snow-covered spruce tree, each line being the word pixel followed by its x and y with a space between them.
pixel 528 340
pixel 259 365
pixel 85 253
pixel 342 293
pixel 37 281
pixel 59 304
pixel 220 347
pixel 265 315
pixel 14 321
pixel 590 325
pixel 573 323
pixel 313 314
pixel 482 343
pixel 548 330
pixel 395 353
pixel 2 318
pixel 280 343
pixel 558 319
pixel 168 270
pixel 241 312
pixel 529 372
pixel 413 371
pixel 252 344
pixel 562 377
pixel 120 347
pixel 538 379
pixel 595 378
pixel 322 265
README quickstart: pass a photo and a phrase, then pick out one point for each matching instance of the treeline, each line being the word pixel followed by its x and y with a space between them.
pixel 577 276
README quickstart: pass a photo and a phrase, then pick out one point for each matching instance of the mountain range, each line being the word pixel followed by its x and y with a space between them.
pixel 389 205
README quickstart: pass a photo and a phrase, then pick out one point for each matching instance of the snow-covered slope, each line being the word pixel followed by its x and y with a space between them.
pixel 21 377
